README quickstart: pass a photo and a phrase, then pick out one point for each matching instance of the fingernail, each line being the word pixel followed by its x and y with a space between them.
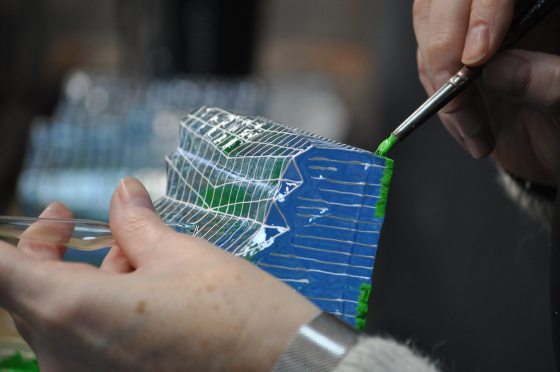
pixel 441 78
pixel 132 192
pixel 476 46
pixel 508 74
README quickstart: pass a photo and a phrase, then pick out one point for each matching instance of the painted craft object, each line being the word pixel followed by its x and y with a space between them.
pixel 306 209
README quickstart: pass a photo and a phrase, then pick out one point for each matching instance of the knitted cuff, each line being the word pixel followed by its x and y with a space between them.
pixel 537 200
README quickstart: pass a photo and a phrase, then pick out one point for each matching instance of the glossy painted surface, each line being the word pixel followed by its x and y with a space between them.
pixel 299 206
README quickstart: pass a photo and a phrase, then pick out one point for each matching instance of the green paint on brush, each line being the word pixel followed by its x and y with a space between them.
pixel 386 145
pixel 381 204
pixel 362 307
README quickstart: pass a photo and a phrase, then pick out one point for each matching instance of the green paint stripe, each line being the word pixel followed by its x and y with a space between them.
pixel 381 204
pixel 362 307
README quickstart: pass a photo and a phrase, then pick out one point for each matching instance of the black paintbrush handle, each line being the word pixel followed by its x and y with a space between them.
pixel 526 21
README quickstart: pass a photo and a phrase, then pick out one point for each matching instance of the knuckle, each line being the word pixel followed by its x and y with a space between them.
pixel 420 9
pixel 60 311
pixel 492 12
pixel 488 8
pixel 139 223
pixel 440 42
pixel 53 302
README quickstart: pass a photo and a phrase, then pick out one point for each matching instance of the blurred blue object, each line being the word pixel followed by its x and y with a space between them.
pixel 109 127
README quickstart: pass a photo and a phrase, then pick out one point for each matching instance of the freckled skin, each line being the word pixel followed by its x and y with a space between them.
pixel 141 306
pixel 177 304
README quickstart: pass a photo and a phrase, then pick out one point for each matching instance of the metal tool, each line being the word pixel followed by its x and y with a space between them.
pixel 521 24
pixel 85 235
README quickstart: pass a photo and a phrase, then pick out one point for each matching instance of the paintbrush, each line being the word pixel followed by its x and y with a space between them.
pixel 521 24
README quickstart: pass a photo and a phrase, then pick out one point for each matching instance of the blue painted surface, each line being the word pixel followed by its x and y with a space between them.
pixel 312 225
pixel 331 246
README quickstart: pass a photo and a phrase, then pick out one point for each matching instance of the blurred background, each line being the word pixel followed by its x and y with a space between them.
pixel 461 273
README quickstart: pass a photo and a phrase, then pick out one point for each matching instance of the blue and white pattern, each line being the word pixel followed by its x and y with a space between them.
pixel 299 206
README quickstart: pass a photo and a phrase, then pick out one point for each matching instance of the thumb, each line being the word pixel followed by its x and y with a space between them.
pixel 137 229
pixel 531 77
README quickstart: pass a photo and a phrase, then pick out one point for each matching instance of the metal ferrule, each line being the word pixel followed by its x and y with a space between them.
pixel 437 101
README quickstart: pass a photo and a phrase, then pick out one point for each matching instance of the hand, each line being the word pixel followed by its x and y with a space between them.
pixel 160 301
pixel 513 112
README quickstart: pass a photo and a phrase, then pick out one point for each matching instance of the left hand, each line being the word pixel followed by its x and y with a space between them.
pixel 161 301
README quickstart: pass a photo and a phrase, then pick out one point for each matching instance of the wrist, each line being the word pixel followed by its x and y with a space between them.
pixel 276 316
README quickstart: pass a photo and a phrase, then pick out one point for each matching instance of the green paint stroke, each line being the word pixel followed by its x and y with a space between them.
pixel 228 143
pixel 362 307
pixel 228 199
pixel 386 145
pixel 381 204
pixel 277 169
pixel 17 362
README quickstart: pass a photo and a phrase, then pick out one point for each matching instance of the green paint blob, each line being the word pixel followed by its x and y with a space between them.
pixel 230 199
pixel 277 169
pixel 362 307
pixel 250 257
pixel 381 204
pixel 386 145
pixel 17 362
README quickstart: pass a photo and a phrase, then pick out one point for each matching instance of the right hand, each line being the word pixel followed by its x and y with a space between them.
pixel 513 112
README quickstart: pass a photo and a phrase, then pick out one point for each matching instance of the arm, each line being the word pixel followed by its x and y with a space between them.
pixel 160 301
pixel 163 301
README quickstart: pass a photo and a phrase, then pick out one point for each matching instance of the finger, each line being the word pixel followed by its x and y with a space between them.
pixel 15 274
pixel 59 234
pixel 24 329
pixel 531 78
pixel 423 74
pixel 137 229
pixel 448 26
pixel 466 120
pixel 116 262
pixel 421 22
pixel 488 26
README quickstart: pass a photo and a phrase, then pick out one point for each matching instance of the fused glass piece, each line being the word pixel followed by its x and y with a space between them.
pixel 306 209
